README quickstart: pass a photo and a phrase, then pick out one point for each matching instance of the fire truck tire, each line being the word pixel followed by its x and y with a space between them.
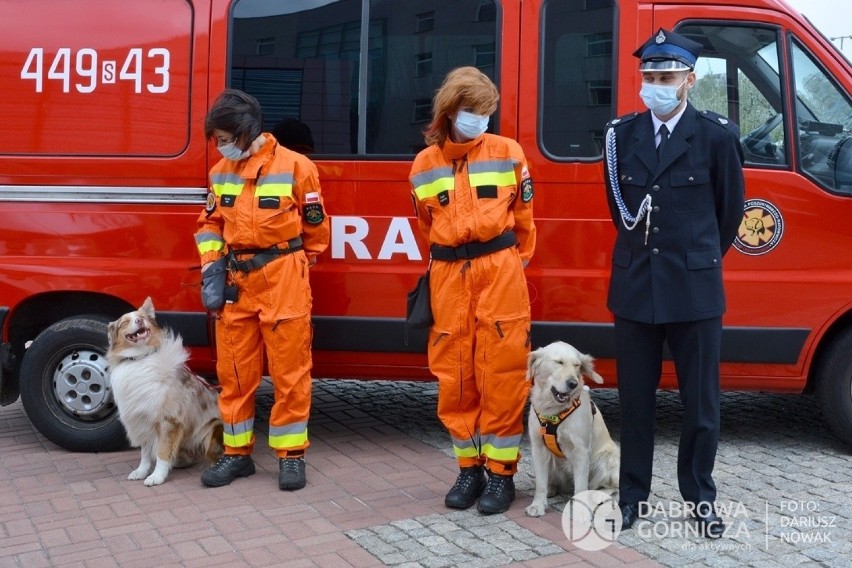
pixel 834 386
pixel 65 388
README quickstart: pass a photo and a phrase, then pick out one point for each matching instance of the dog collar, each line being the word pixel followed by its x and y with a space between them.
pixel 549 425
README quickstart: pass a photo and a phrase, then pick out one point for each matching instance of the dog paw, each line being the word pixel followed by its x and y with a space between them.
pixel 535 510
pixel 138 474
pixel 155 479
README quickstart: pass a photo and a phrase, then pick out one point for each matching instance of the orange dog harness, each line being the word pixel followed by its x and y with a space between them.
pixel 549 424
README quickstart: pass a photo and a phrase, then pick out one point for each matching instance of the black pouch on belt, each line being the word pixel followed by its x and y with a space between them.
pixel 418 314
pixel 213 284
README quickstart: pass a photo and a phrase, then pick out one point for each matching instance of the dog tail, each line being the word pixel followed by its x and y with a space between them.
pixel 213 444
pixel 606 466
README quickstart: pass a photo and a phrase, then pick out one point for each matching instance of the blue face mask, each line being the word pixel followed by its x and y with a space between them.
pixel 230 151
pixel 660 99
pixel 468 125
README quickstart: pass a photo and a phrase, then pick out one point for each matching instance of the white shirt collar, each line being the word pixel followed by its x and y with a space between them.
pixel 670 123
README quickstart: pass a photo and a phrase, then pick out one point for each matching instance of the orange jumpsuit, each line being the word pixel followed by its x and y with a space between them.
pixel 266 199
pixel 479 343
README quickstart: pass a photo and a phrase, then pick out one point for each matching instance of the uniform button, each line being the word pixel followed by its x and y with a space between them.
pixel 655 230
pixel 656 209
pixel 691 178
pixel 656 188
pixel 629 178
pixel 655 251
pixel 715 261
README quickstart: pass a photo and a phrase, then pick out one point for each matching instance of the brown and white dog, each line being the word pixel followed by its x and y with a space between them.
pixel 568 436
pixel 168 412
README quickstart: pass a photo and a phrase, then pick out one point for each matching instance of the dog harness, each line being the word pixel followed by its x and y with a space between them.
pixel 549 425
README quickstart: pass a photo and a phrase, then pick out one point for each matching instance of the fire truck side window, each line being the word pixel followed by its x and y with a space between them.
pixel 824 124
pixel 577 70
pixel 738 76
pixel 355 77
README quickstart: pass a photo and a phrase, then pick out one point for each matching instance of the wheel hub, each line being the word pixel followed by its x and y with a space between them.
pixel 81 385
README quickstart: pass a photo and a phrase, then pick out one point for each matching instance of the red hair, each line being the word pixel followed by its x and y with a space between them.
pixel 463 87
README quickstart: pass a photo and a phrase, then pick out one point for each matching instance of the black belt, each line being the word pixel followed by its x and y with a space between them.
pixel 261 257
pixel 474 249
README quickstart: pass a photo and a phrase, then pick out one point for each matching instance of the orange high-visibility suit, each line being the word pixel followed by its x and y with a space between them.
pixel 268 199
pixel 478 346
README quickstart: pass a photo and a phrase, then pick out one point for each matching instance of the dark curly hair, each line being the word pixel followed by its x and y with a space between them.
pixel 236 112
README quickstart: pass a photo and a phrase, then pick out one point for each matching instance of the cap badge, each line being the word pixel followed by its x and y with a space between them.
pixel 661 38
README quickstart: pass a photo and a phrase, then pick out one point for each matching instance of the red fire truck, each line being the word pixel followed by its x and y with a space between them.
pixel 103 172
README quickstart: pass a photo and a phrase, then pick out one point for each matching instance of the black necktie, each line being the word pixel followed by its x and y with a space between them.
pixel 664 135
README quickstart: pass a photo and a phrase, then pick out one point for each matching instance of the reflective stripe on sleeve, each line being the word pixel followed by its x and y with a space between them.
pixel 208 242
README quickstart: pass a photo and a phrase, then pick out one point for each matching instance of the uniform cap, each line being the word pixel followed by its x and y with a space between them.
pixel 668 51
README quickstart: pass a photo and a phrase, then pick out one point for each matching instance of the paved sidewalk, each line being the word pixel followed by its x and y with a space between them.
pixel 378 469
pixel 374 497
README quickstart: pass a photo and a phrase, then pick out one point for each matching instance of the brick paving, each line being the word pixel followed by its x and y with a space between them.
pixel 378 469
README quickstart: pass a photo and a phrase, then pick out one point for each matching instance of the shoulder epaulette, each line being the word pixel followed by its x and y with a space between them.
pixel 716 118
pixel 622 119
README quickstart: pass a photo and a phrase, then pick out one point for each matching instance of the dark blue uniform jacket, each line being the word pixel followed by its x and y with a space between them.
pixel 697 193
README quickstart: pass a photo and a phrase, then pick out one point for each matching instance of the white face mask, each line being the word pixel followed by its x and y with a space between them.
pixel 230 151
pixel 468 126
pixel 660 99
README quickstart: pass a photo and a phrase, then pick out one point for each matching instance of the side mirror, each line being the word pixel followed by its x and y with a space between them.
pixel 843 166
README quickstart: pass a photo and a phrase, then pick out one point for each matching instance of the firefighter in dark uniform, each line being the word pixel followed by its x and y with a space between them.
pixel 675 189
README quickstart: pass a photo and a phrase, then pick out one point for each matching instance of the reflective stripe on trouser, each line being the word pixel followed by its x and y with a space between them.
pixel 270 317
pixel 478 350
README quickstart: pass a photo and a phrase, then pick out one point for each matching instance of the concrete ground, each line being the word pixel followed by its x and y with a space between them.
pixel 378 469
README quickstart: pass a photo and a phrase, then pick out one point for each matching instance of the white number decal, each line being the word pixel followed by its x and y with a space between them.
pixel 60 68
pixel 34 59
pixel 91 71
pixel 87 66
pixel 161 70
pixel 134 58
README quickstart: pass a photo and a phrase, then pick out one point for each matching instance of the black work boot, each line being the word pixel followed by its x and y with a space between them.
pixel 468 487
pixel 498 494
pixel 291 473
pixel 227 469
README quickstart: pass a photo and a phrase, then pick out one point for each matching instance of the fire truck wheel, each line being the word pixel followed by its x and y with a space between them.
pixel 834 386
pixel 65 388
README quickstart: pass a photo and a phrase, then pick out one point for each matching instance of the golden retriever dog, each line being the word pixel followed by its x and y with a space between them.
pixel 568 436
pixel 168 412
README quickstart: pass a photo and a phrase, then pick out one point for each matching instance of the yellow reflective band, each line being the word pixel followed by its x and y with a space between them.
pixel 433 188
pixel 288 440
pixel 274 190
pixel 500 454
pixel 210 246
pixel 470 452
pixel 221 189
pixel 237 440
pixel 492 178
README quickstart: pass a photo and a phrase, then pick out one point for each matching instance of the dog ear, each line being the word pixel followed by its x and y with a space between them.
pixel 112 332
pixel 532 364
pixel 147 307
pixel 587 367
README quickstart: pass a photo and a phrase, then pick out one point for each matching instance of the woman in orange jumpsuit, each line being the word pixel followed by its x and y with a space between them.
pixel 265 212
pixel 473 198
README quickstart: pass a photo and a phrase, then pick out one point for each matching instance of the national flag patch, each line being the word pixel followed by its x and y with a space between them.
pixel 312 197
